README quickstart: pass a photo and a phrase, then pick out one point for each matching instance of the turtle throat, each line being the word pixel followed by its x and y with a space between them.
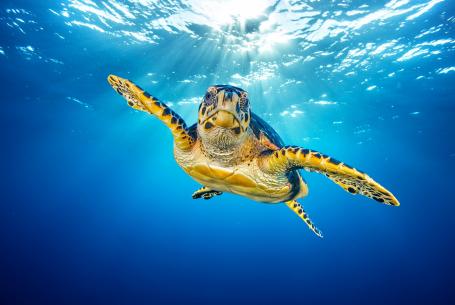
pixel 221 143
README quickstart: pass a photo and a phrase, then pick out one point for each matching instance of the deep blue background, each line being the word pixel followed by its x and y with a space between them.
pixel 94 209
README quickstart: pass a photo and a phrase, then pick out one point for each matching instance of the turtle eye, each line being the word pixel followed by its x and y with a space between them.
pixel 209 99
pixel 210 96
pixel 212 90
pixel 244 102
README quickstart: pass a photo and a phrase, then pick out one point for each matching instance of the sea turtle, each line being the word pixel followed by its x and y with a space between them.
pixel 231 149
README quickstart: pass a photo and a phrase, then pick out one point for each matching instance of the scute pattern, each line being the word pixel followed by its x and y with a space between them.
pixel 262 128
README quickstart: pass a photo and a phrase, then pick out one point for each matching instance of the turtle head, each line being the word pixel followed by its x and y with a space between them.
pixel 224 116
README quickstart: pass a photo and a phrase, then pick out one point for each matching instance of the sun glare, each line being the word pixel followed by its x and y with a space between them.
pixel 225 12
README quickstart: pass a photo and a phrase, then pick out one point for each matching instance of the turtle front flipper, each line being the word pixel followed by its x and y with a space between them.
pixel 354 181
pixel 298 209
pixel 206 193
pixel 141 100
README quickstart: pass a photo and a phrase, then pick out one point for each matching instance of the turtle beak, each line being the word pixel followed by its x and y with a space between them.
pixel 227 112
pixel 225 119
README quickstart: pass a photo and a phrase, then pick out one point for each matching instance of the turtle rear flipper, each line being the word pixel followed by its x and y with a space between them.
pixel 206 193
pixel 141 100
pixel 350 179
pixel 298 209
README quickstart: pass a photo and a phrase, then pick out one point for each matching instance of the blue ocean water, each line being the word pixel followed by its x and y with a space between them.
pixel 95 210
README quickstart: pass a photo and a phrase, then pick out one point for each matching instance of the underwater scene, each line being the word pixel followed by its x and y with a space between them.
pixel 96 210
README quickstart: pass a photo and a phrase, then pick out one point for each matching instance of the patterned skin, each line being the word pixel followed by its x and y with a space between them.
pixel 230 149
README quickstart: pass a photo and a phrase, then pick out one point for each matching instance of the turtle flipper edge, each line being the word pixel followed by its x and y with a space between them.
pixel 206 193
pixel 298 209
pixel 350 179
pixel 141 100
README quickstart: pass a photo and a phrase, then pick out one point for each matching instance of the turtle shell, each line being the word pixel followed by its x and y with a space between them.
pixel 268 136
pixel 264 132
